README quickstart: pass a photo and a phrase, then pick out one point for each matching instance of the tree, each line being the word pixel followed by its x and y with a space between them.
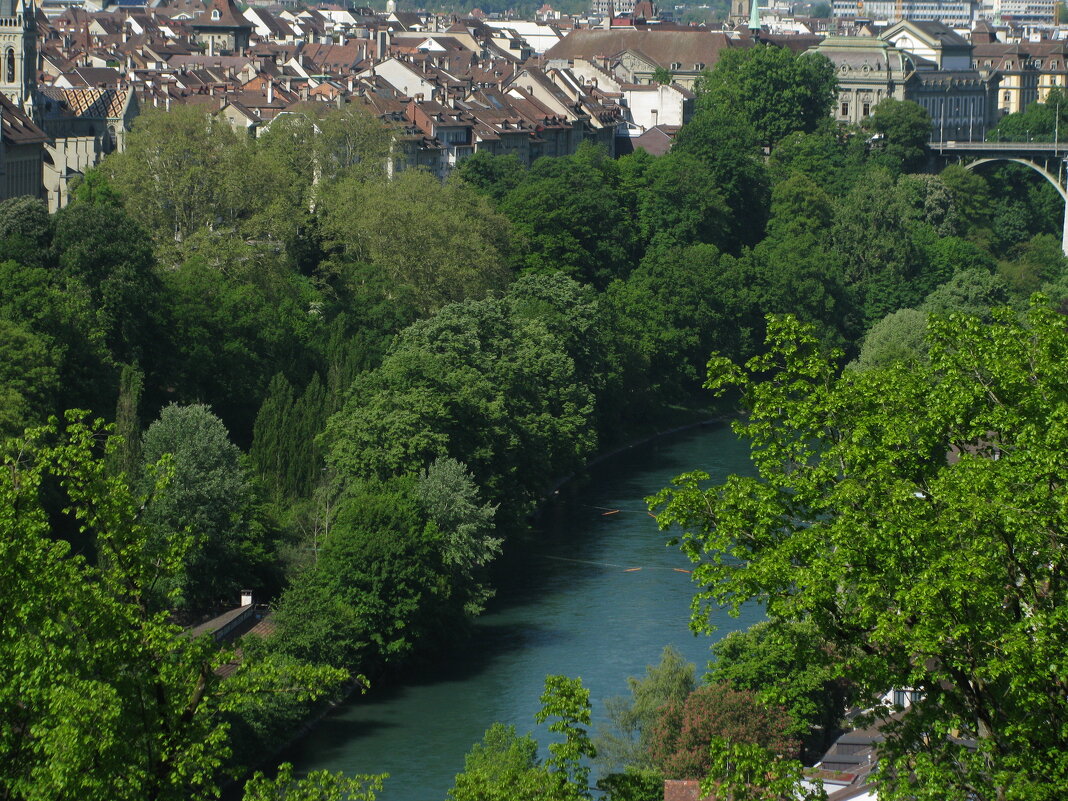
pixel 25 231
pixel 662 76
pixel 899 337
pixel 505 767
pixel 319 785
pixel 729 147
pixel 913 515
pixel 1039 122
pixel 679 204
pixel 409 231
pixel 680 740
pixel 492 175
pixel 749 772
pixel 775 89
pixel 377 589
pixel 878 239
pixel 904 128
pixel 569 217
pixel 489 383
pixel 449 497
pixel 210 498
pixel 173 171
pixel 28 378
pixel 625 742
pixel 104 248
pixel 787 665
pixel 103 698
pixel 974 292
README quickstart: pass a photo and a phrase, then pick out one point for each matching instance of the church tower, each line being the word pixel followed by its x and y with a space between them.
pixel 739 13
pixel 18 52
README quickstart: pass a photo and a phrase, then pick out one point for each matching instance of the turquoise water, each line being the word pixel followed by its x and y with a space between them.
pixel 569 602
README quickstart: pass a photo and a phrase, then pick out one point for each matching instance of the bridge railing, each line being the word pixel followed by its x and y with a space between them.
pixel 1037 148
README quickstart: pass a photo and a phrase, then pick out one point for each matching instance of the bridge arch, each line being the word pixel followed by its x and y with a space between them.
pixel 1041 171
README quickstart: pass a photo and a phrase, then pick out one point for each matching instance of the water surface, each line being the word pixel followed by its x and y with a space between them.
pixel 569 602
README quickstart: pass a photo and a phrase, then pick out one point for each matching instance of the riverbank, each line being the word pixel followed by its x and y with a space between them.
pixel 435 658
pixel 584 595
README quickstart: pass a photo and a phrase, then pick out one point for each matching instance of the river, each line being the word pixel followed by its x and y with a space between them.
pixel 570 602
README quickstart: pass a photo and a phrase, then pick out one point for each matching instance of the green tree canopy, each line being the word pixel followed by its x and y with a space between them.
pixel 913 515
pixel 443 242
pixel 903 128
pixel 209 497
pixel 728 145
pixel 775 89
pixel 102 698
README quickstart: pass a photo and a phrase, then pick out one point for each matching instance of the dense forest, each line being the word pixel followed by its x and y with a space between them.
pixel 346 389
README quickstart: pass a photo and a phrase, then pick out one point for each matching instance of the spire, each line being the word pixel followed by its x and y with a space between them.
pixel 754 17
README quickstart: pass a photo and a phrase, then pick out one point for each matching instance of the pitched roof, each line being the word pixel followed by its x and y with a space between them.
pixel 228 16
pixel 16 128
pixel 85 102
pixel 662 47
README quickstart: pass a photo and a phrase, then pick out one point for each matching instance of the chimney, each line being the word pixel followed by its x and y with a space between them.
pixel 270 92
pixel 246 597
pixel 381 43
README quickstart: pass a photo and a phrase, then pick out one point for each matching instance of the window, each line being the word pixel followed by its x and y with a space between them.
pixel 845 109
pixel 676 65
pixel 901 698
pixel 1008 96
pixel 866 110
pixel 9 66
pixel 698 66
pixel 215 13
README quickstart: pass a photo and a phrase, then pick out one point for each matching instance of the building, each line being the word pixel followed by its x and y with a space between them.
pixel 634 55
pixel 22 153
pixel 869 71
pixel 958 13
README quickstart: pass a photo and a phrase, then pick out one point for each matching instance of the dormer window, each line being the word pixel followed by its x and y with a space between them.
pixel 215 13
pixel 675 65
pixel 698 66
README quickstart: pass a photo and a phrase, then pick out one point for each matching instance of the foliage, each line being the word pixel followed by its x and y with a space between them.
pixel 787 665
pixel 80 645
pixel 899 337
pixel 910 513
pixel 833 158
pixel 505 767
pixel 449 497
pixel 633 784
pixel 376 588
pixel 209 498
pixel 568 217
pixel 408 230
pixel 773 88
pixel 487 383
pixel 749 772
pixel 29 377
pixel 904 128
pixel 319 785
pixel 728 145
pixel 1039 122
pixel 25 230
pixel 492 175
pixel 679 742
pixel 974 292
pixel 625 742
